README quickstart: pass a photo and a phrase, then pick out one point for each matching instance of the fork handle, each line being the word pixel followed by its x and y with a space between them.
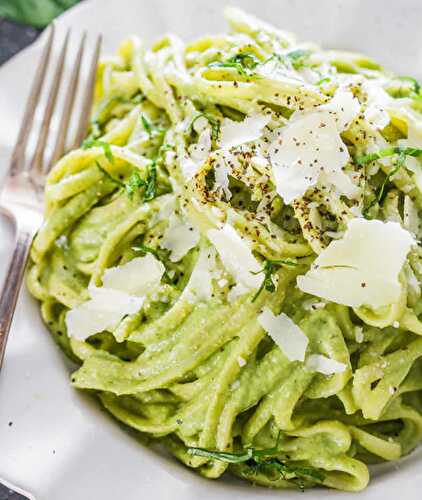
pixel 12 284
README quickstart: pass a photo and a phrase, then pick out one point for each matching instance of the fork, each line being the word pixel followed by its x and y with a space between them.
pixel 22 193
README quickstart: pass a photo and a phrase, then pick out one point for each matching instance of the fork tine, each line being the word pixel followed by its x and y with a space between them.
pixel 88 97
pixel 36 163
pixel 17 160
pixel 68 106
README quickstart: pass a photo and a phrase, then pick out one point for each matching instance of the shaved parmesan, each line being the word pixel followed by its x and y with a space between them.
pixel 285 333
pixel 310 149
pixel 236 256
pixel 179 238
pixel 344 107
pixel 236 133
pixel 324 365
pixel 198 154
pixel 118 297
pixel 410 216
pixel 199 287
pixel 222 168
pixel 377 102
pixel 363 267
pixel 136 277
pixel 104 311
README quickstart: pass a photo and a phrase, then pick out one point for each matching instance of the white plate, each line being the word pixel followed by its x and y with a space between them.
pixel 60 445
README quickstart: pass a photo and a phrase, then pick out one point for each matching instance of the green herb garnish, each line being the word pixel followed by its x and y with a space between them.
pixel 109 176
pixel 385 153
pixel 262 459
pixel 380 195
pixel 270 267
pixel 413 81
pixel 298 57
pixel 246 59
pixel 90 142
pixel 244 63
pixel 134 183
pixel 150 129
pixel 323 80
pixel 151 182
pixel 147 125
pixel 215 125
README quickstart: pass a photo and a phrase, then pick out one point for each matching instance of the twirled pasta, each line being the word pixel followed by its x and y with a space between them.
pixel 205 374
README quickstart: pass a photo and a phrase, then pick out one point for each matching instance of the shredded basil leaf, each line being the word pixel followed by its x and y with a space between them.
pixel 96 143
pixel 381 192
pixel 270 267
pixel 413 81
pixel 385 153
pixel 259 459
pixel 134 183
pixel 215 125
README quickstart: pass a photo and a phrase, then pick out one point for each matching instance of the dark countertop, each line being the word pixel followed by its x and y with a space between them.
pixel 13 37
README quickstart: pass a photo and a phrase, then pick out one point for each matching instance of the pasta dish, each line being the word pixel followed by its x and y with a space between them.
pixel 232 257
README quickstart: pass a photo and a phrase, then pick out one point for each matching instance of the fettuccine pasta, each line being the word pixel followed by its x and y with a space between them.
pixel 232 257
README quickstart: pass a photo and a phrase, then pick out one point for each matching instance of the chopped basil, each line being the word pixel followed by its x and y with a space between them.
pixel 413 81
pixel 96 143
pixel 215 125
pixel 135 183
pixel 298 57
pixel 385 153
pixel 150 129
pixel 380 195
pixel 270 267
pixel 263 459
pixel 109 176
pixel 244 63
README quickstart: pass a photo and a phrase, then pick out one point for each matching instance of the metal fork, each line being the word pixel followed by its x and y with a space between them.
pixel 22 194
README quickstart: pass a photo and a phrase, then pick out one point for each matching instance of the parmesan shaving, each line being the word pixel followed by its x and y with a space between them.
pixel 236 133
pixel 179 238
pixel 310 149
pixel 136 277
pixel 361 268
pixel 104 311
pixel 286 334
pixel 324 365
pixel 236 256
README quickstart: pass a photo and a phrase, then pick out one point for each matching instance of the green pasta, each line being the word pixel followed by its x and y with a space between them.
pixel 182 154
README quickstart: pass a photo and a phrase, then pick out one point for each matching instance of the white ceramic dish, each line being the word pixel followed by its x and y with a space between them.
pixel 60 445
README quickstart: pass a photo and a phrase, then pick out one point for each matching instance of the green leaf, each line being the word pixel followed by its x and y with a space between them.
pixel 323 80
pixel 413 81
pixel 151 182
pixel 387 152
pixel 261 459
pixel 381 192
pixel 36 13
pixel 109 176
pixel 95 143
pixel 244 63
pixel 270 267
pixel 134 183
pixel 298 57
pixel 215 125
pixel 150 129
